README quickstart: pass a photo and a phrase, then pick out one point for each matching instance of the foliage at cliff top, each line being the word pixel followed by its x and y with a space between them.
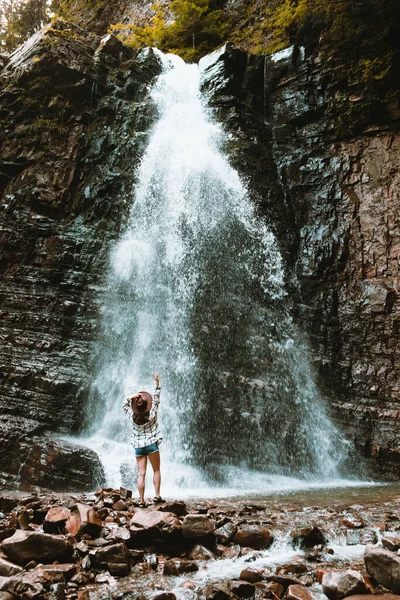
pixel 189 28
pixel 360 39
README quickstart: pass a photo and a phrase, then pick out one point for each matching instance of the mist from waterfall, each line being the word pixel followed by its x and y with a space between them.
pixel 196 292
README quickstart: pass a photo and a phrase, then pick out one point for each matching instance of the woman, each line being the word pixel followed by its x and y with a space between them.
pixel 143 409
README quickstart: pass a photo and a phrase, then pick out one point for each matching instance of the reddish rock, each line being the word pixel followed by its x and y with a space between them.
pixel 298 592
pixel 225 533
pixel 154 526
pixel 177 566
pixel 252 575
pixel 25 546
pixel 119 505
pixel 294 566
pixel 177 507
pixel 340 584
pixel 55 519
pixel 391 542
pixel 83 519
pixel 255 537
pixel 199 552
pixel 125 492
pixel 271 590
pixel 8 568
pixel 383 566
pixel 198 527
pixel 231 551
pixel 241 589
pixel 218 591
pixel 164 596
pixel 116 555
pixel 308 536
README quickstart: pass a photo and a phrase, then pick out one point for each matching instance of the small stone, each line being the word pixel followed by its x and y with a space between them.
pixel 225 533
pixel 7 569
pixel 119 505
pixel 125 492
pixel 251 575
pixel 197 527
pixel 308 536
pixel 177 507
pixel 298 592
pixel 200 552
pixel 177 566
pixel 55 519
pixel 391 542
pixel 242 589
pixel 254 537
pixel 83 520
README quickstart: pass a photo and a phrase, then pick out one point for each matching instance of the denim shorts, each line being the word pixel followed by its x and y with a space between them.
pixel 146 450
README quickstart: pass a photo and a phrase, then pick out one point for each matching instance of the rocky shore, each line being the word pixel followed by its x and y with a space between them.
pixel 101 545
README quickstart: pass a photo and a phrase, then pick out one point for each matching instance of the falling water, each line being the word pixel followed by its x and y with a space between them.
pixel 196 292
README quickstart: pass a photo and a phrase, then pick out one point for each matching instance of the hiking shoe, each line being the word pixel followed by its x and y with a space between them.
pixel 158 500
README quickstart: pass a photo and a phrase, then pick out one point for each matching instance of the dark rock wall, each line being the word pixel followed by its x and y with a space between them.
pixel 73 111
pixel 335 208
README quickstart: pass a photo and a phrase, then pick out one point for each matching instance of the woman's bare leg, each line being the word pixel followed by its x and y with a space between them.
pixel 142 466
pixel 155 463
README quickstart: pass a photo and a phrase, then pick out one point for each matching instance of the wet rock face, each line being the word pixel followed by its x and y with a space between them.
pixel 74 112
pixel 333 202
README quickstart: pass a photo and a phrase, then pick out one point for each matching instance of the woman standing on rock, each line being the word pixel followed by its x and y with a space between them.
pixel 143 410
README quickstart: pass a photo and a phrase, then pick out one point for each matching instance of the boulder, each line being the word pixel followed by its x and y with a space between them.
pixel 154 527
pixel 177 566
pixel 55 519
pixel 383 566
pixel 340 584
pixel 83 519
pixel 255 537
pixel 25 546
pixel 298 592
pixel 198 527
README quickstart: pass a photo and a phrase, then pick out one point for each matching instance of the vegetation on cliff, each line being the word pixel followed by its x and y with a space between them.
pixel 359 41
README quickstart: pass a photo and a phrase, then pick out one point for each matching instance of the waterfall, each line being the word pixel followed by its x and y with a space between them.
pixel 196 292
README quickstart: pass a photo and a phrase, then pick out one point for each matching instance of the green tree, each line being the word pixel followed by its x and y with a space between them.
pixel 19 20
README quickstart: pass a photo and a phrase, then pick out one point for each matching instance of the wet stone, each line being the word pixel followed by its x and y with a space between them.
pixel 252 575
pixel 384 567
pixel 254 537
pixel 298 592
pixel 177 566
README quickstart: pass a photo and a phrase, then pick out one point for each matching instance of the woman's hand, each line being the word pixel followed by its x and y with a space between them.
pixel 156 377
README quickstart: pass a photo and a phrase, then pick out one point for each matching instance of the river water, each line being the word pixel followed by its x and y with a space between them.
pixel 196 291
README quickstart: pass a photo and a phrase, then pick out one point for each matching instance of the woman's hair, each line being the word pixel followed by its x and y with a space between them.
pixel 142 418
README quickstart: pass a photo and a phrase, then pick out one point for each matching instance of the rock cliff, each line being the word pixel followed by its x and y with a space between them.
pixel 72 112
pixel 335 208
pixel 76 115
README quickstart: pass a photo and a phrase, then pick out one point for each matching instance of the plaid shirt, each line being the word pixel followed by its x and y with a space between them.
pixel 148 433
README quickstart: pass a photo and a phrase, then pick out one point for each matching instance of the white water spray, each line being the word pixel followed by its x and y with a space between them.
pixel 196 292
